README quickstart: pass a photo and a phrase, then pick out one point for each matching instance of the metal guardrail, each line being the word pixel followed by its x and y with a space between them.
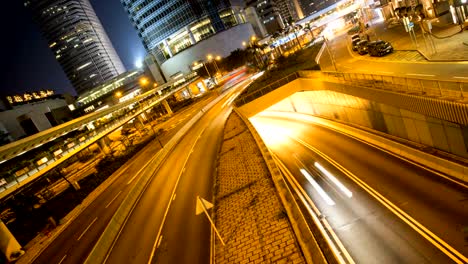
pixel 246 98
pixel 434 88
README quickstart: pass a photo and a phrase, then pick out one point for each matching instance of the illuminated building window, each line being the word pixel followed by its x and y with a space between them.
pixel 83 66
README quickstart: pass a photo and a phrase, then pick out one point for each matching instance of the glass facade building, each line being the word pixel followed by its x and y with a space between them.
pixel 167 27
pixel 78 41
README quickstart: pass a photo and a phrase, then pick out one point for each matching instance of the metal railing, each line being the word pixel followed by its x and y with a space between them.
pixel 81 141
pixel 434 88
pixel 252 95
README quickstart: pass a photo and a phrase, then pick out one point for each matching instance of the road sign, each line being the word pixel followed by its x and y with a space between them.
pixel 200 203
pixel 203 206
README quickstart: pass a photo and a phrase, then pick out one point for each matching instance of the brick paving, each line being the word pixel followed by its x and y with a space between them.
pixel 248 212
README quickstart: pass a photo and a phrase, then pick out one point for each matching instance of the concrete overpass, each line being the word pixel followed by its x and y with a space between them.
pixel 432 113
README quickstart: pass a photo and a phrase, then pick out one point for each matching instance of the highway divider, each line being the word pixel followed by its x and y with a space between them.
pixel 105 243
pixel 306 239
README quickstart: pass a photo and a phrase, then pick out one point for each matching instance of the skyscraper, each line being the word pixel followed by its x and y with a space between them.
pixel 78 41
pixel 180 32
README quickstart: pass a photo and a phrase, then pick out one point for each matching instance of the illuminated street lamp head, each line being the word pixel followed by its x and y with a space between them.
pixel 243 43
pixel 144 81
pixel 118 94
pixel 139 64
pixel 195 63
pixel 254 38
pixel 218 58
pixel 209 57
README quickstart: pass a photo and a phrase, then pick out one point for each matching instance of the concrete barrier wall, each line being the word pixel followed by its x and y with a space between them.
pixel 309 245
pixel 373 110
pixel 449 168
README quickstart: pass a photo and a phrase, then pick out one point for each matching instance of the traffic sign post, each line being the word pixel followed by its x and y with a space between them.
pixel 203 206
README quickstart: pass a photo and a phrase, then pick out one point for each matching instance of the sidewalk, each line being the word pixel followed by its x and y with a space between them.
pixel 248 211
pixel 450 44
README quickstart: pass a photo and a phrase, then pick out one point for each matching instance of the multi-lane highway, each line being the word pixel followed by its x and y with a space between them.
pixel 163 226
pixel 77 240
pixel 382 208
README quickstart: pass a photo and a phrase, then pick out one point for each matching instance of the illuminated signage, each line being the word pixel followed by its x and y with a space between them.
pixel 28 97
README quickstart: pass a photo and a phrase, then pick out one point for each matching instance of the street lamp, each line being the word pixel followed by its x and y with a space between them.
pixel 144 81
pixel 210 58
pixel 196 64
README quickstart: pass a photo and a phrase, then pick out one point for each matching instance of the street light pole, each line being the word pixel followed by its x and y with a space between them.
pixel 330 54
pixel 204 64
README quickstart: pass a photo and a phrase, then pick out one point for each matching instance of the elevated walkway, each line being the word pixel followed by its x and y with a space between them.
pixel 139 105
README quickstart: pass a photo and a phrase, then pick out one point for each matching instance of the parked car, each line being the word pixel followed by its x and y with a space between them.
pixel 353 37
pixel 354 43
pixel 379 48
pixel 362 47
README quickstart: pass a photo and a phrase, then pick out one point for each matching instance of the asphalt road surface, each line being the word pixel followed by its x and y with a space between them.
pixel 163 227
pixel 77 240
pixel 345 62
pixel 368 229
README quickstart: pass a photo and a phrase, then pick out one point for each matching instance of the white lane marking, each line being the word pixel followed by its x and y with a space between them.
pixel 443 246
pixel 153 251
pixel 82 234
pixel 130 181
pixel 316 214
pixel 345 190
pixel 173 198
pixel 317 187
pixel 419 74
pixel 62 259
pixel 113 199
pixel 460 77
pixel 159 241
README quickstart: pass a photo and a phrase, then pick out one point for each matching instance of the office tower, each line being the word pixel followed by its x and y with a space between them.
pixel 269 14
pixel 78 40
pixel 180 32
pixel 310 7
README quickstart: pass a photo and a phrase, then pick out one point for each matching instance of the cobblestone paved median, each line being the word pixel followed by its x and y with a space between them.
pixel 248 212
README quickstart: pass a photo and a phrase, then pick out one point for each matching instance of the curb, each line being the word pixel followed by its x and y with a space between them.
pixel 68 219
pixel 106 241
pixel 305 238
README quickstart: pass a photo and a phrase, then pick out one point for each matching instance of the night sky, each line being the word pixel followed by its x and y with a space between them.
pixel 29 65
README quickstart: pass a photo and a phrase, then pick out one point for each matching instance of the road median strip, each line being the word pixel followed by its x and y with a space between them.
pixel 104 245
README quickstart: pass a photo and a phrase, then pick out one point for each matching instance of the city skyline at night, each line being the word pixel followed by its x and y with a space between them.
pixel 31 64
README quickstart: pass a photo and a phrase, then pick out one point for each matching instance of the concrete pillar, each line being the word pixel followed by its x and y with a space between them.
pixel 104 146
pixel 168 49
pixel 167 107
pixel 8 244
pixel 189 91
pixel 192 38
